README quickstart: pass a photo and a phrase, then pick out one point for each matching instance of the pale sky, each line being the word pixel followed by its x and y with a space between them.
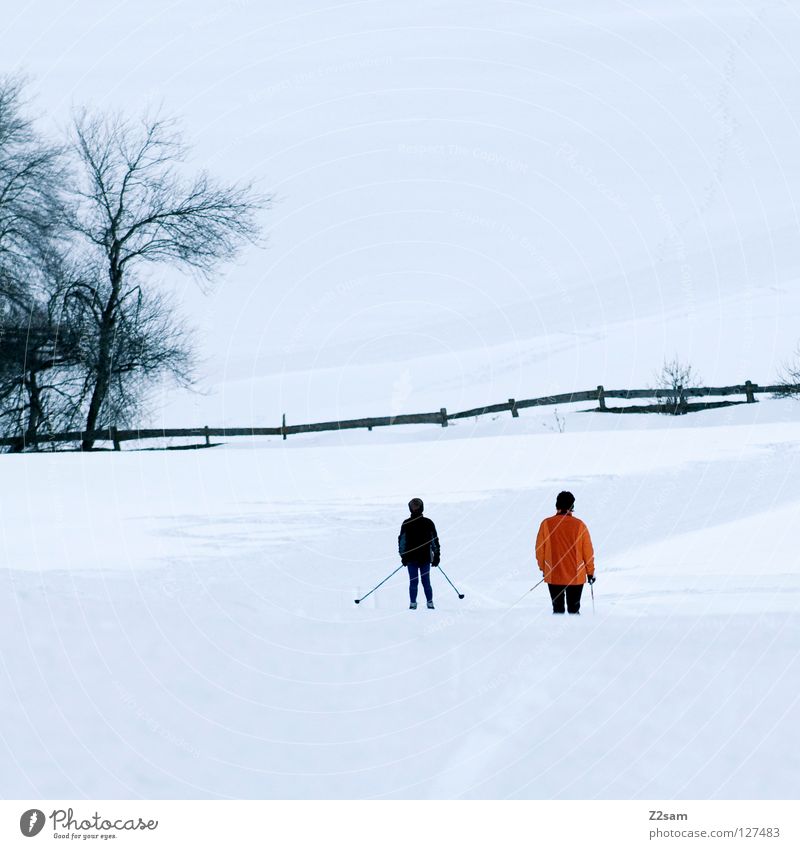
pixel 446 173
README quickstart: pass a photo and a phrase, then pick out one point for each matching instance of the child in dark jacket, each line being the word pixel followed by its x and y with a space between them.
pixel 419 549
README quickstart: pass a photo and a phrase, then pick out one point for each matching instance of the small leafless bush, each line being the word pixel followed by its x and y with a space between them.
pixel 674 377
pixel 789 376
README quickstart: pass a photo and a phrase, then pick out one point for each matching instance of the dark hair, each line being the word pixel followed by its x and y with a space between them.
pixel 565 501
pixel 416 505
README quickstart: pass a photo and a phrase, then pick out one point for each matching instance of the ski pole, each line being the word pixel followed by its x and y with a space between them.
pixel 460 595
pixel 359 600
pixel 523 596
pixel 591 587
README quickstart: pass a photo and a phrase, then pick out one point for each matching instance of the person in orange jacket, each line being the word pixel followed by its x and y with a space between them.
pixel 565 555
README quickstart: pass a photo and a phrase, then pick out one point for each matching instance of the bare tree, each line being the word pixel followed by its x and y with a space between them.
pixel 149 342
pixel 32 176
pixel 40 371
pixel 135 208
pixel 31 207
pixel 674 377
pixel 789 376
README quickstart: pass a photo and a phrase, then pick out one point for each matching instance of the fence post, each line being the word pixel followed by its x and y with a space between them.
pixel 208 439
pixel 601 397
pixel 514 410
pixel 748 388
pixel 115 438
pixel 283 426
pixel 443 413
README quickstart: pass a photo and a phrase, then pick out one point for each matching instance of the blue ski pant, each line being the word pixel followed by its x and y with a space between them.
pixel 415 572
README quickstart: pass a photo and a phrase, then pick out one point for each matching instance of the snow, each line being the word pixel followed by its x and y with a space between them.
pixel 181 624
pixel 474 202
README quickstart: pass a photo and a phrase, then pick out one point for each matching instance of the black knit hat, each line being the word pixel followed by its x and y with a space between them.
pixel 565 501
pixel 416 505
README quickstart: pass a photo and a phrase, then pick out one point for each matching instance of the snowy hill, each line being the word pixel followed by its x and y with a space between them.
pixel 188 626
pixel 475 201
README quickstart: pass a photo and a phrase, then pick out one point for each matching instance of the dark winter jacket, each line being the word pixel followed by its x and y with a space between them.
pixel 418 541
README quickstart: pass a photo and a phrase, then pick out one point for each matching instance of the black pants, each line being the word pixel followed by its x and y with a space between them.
pixel 573 594
pixel 415 572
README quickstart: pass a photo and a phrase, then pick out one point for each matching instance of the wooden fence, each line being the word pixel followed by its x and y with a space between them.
pixel 678 403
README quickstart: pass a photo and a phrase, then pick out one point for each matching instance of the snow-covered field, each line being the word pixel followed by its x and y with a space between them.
pixel 474 201
pixel 181 624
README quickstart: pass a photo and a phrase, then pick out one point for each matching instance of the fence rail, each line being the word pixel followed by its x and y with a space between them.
pixel 442 417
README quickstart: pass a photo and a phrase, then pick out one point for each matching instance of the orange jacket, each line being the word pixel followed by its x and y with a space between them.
pixel 564 550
